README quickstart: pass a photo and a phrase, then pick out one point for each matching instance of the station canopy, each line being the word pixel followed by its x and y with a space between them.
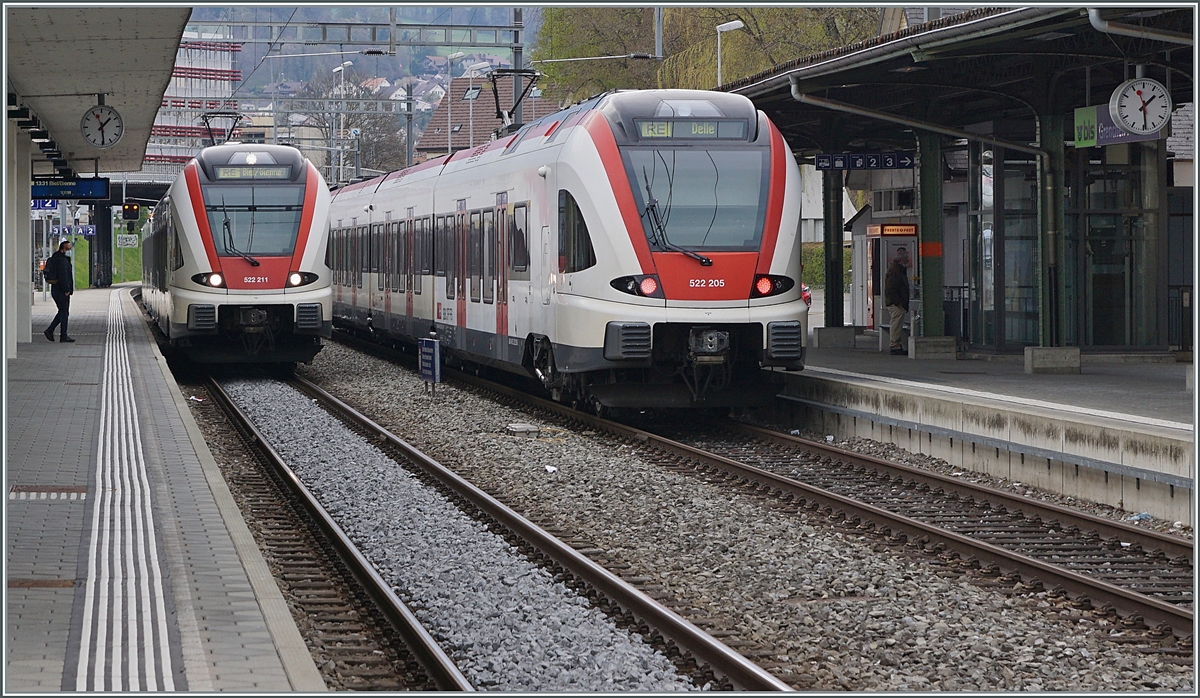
pixel 985 65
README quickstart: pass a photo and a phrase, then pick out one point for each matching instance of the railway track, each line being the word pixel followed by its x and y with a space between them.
pixel 709 659
pixel 1095 565
pixel 362 636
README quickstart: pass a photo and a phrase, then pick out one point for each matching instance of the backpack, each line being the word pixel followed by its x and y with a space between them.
pixel 50 271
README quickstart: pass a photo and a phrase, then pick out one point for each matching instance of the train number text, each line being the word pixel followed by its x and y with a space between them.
pixel 706 283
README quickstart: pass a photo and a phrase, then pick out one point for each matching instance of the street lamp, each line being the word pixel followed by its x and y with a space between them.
pixel 450 97
pixel 472 94
pixel 341 69
pixel 721 29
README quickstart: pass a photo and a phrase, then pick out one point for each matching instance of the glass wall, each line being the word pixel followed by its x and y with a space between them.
pixel 1003 288
pixel 1116 210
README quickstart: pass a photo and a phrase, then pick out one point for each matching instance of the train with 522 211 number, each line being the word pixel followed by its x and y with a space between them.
pixel 637 250
pixel 234 257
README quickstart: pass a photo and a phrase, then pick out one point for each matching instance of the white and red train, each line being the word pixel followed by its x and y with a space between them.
pixel 234 257
pixel 639 249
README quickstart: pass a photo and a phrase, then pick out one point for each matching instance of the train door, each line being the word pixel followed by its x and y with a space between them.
pixel 406 228
pixel 388 275
pixel 460 242
pixel 375 280
pixel 500 264
pixel 358 268
pixel 519 283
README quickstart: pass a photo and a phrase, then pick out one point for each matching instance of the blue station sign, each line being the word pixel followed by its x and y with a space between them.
pixel 72 188
pixel 429 365
pixel 900 160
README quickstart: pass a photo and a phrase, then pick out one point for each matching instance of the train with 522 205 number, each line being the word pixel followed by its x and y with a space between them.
pixel 234 257
pixel 637 250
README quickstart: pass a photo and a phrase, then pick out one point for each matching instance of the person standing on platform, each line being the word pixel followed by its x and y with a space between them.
pixel 61 276
pixel 895 297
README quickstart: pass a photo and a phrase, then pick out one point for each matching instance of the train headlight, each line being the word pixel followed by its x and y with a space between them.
pixel 770 285
pixel 210 279
pixel 301 278
pixel 646 286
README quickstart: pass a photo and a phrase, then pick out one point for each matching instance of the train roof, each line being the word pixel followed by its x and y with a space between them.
pixel 619 107
pixel 252 154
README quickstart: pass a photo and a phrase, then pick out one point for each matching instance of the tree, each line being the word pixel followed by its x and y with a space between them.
pixel 584 32
pixel 772 35
pixel 381 136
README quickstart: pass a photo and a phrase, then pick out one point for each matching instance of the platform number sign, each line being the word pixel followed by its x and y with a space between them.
pixel 43 204
pixel 902 160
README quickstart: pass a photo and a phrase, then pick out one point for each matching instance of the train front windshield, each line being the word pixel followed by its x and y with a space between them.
pixel 254 220
pixel 707 199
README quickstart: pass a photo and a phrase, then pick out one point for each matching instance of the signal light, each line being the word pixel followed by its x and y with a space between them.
pixel 648 286
pixel 131 212
pixel 763 286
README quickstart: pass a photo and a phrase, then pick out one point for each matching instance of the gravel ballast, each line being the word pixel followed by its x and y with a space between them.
pixel 840 614
pixel 507 624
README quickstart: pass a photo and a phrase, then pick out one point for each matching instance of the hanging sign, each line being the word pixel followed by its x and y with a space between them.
pixel 1094 127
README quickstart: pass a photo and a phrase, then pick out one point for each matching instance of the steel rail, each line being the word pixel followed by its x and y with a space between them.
pixel 1172 546
pixel 740 671
pixel 1124 601
pixel 441 669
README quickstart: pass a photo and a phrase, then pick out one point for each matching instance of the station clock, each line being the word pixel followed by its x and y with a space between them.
pixel 102 126
pixel 1141 106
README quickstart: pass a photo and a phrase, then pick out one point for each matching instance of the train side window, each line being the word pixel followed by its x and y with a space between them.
pixel 415 237
pixel 395 282
pixel 439 245
pixel 575 251
pixel 385 255
pixel 427 227
pixel 376 247
pixel 489 256
pixel 364 254
pixel 330 250
pixel 474 257
pixel 402 254
pixel 173 235
pixel 518 242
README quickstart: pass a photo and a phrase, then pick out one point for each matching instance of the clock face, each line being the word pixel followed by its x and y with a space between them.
pixel 102 126
pixel 1140 106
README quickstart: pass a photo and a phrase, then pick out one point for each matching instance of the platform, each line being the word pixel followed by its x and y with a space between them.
pixel 1117 433
pixel 128 564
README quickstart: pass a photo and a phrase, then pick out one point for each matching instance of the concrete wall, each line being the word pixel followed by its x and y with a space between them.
pixel 1132 467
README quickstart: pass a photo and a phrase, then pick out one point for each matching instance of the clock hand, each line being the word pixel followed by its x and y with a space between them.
pixel 1147 102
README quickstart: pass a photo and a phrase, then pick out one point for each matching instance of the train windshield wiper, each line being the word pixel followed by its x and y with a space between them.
pixel 227 228
pixel 660 230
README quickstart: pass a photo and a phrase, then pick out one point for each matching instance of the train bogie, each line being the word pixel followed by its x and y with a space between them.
pixel 637 250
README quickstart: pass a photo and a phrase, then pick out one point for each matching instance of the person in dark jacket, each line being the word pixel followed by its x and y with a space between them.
pixel 61 276
pixel 895 297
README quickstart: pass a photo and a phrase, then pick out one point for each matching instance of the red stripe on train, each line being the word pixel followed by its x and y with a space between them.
pixel 306 217
pixel 778 181
pixel 191 173
pixel 610 156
